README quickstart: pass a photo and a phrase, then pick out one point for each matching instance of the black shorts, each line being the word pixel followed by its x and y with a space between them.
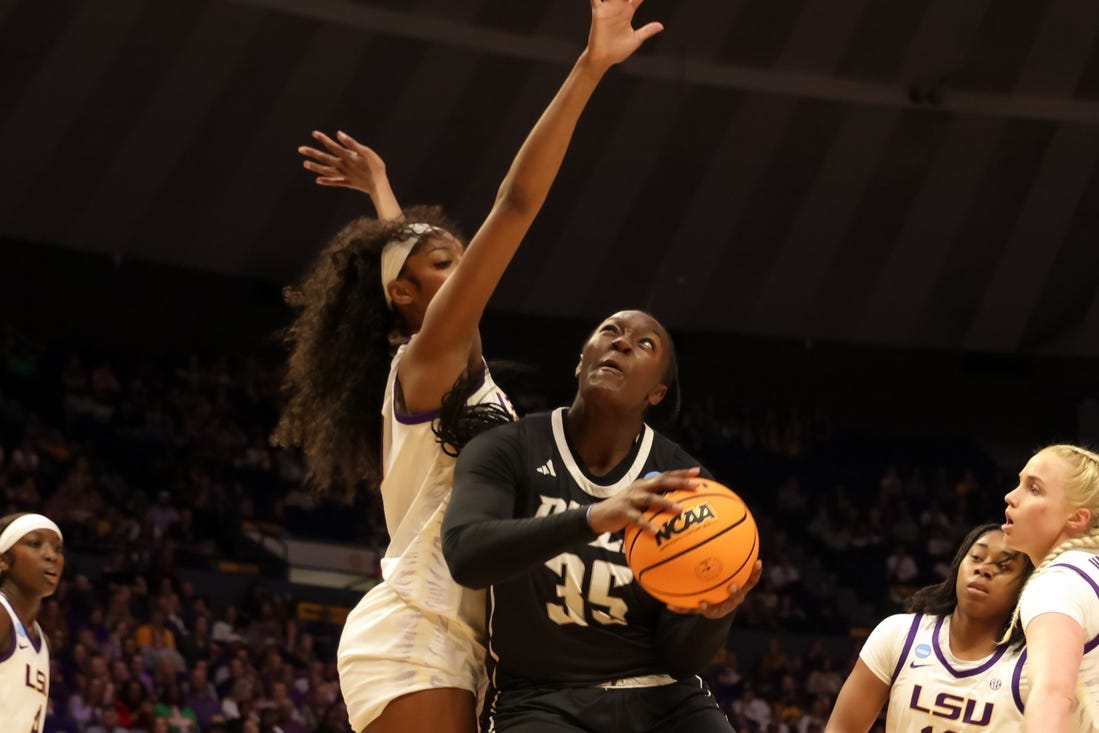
pixel 685 706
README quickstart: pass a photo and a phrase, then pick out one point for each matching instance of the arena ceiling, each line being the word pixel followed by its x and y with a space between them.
pixel 917 173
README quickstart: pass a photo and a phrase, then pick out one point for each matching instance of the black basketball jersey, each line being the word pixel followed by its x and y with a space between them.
pixel 577 618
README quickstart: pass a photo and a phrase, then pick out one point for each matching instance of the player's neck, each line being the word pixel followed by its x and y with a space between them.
pixel 971 639
pixel 601 439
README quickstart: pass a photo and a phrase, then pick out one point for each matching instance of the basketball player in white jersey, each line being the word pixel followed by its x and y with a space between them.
pixel 1053 516
pixel 411 653
pixel 31 561
pixel 943 669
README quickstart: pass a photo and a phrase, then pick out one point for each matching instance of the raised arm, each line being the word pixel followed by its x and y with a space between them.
pixel 447 343
pixel 350 164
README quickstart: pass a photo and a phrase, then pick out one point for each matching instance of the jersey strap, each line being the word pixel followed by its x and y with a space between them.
pixel 907 645
pixel 1016 680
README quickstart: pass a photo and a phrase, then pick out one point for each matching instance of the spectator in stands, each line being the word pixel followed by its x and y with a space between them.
pixel 108 722
pixel 783 572
pixel 163 514
pixel 154 634
pixel 171 708
pixel 824 681
pixel 95 693
pixel 901 568
pixel 134 707
pixel 813 721
pixel 773 664
pixel 201 696
pixel 777 722
pixel 757 711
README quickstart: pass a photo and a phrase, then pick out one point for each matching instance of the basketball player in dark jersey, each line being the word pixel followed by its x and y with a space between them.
pixel 537 516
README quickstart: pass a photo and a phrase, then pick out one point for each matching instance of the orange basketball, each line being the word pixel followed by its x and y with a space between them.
pixel 698 553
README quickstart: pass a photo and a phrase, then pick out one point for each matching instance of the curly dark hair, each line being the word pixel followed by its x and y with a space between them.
pixel 941 599
pixel 458 422
pixel 341 344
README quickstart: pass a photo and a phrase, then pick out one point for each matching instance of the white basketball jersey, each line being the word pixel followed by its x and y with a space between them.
pixel 24 678
pixel 1070 585
pixel 416 485
pixel 931 690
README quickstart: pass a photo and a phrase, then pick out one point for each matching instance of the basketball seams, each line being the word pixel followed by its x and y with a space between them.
pixel 695 546
pixel 669 584
pixel 752 555
pixel 637 531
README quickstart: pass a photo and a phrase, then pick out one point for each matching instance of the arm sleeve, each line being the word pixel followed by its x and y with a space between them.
pixel 483 542
pixel 686 643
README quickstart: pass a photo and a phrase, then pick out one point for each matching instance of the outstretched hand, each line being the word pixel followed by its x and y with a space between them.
pixel 350 164
pixel 730 604
pixel 630 506
pixel 346 163
pixel 612 37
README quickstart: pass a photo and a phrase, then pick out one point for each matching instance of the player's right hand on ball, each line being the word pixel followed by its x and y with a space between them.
pixel 642 496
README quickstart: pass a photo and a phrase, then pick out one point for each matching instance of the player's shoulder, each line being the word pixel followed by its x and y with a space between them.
pixel 1086 560
pixel 670 455
pixel 902 624
pixel 1077 570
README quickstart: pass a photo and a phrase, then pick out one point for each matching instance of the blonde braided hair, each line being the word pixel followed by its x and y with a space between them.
pixel 1081 490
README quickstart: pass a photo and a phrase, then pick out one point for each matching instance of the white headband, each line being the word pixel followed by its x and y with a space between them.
pixel 23 526
pixel 395 252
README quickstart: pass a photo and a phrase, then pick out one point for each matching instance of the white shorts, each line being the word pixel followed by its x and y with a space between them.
pixel 389 648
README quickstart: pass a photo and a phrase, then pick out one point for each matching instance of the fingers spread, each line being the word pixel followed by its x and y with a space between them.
pixel 318 155
pixel 350 141
pixel 333 147
pixel 656 501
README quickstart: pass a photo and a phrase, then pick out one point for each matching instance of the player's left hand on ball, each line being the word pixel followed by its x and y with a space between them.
pixel 736 597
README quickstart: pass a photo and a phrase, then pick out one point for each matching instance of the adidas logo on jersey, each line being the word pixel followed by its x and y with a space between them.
pixel 546 469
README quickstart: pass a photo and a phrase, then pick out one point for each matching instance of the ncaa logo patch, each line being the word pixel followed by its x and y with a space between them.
pixel 995 683
pixel 923 651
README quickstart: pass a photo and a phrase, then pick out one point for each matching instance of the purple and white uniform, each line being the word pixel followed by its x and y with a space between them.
pixel 1070 586
pixel 417 629
pixel 24 677
pixel 931 690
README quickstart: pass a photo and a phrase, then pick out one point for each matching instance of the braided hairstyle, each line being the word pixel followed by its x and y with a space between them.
pixel 341 343
pixel 941 599
pixel 457 422
pixel 1081 490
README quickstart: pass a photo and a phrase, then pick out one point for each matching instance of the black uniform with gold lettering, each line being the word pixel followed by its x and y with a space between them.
pixel 573 642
